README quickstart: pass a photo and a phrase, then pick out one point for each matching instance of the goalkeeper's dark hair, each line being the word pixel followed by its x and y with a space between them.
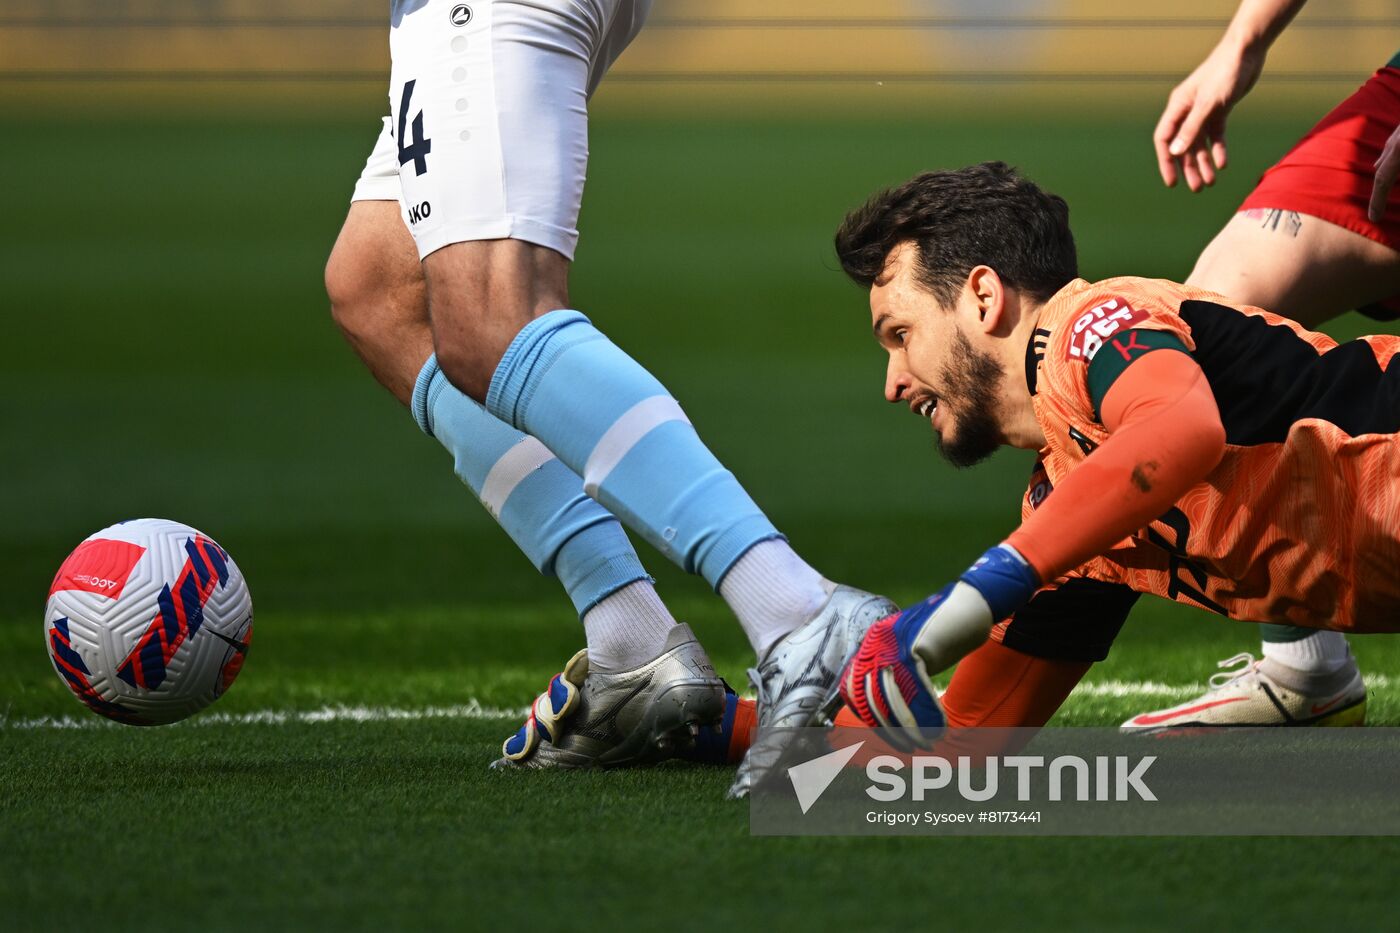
pixel 984 214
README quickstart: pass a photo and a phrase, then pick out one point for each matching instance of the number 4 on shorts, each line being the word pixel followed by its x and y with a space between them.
pixel 420 146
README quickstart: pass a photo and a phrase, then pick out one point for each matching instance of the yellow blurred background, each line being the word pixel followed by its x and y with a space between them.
pixel 723 54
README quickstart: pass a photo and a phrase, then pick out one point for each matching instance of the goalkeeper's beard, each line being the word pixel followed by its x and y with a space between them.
pixel 971 387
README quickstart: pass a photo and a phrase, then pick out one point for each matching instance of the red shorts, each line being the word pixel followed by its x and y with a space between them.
pixel 1329 174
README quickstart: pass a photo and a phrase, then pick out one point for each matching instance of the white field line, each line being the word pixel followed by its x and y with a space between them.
pixel 1117 689
pixel 469 710
pixel 473 709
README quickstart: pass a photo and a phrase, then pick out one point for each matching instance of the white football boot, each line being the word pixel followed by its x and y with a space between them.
pixel 797 679
pixel 1246 695
pixel 633 717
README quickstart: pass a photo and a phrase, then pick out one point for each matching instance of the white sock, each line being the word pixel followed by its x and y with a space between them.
pixel 1322 652
pixel 627 628
pixel 773 591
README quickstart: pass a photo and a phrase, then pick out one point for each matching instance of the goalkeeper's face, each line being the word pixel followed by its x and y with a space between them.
pixel 938 366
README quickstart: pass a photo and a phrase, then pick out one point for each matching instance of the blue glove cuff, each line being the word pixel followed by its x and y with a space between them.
pixel 1004 579
pixel 911 620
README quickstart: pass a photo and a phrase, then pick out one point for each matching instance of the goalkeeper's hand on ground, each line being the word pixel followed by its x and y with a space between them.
pixel 888 683
pixel 549 711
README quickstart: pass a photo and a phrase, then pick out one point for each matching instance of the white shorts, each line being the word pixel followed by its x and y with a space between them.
pixel 487 133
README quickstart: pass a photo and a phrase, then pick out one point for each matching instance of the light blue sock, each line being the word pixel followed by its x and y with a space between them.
pixel 609 419
pixel 539 501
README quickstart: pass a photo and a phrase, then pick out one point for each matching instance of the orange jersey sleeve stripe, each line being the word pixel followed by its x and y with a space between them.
pixel 1165 437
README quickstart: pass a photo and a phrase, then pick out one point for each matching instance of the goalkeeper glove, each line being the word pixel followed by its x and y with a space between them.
pixel 550 709
pixel 888 683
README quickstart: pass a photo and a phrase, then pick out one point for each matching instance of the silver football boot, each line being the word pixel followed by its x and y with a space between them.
pixel 796 681
pixel 639 716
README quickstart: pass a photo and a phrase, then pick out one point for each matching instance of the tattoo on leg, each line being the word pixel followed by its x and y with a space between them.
pixel 1270 218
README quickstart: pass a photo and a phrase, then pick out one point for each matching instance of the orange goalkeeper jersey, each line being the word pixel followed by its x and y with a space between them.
pixel 1300 522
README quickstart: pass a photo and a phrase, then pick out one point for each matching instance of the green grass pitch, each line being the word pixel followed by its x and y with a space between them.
pixel 168 352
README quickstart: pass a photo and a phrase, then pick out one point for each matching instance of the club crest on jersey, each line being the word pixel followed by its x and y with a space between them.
pixel 1099 323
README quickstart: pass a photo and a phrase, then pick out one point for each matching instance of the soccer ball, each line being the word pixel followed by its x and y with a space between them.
pixel 148 621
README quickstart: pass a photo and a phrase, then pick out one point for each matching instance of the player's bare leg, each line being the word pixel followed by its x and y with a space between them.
pixel 1310 270
pixel 378 296
pixel 482 294
pixel 1297 265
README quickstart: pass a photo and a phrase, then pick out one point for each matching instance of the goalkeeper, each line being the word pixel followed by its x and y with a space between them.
pixel 1188 447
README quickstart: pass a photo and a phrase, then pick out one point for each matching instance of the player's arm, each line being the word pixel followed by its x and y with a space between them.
pixel 1165 437
pixel 1190 135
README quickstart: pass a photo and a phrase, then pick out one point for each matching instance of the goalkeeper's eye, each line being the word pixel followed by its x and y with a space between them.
pixel 899 336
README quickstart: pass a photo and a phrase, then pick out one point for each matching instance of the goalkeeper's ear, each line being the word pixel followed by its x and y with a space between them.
pixel 984 296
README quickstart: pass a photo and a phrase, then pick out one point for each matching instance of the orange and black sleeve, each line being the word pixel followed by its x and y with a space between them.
pixel 1165 436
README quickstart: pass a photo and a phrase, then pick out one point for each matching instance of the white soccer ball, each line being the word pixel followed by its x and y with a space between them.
pixel 148 621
